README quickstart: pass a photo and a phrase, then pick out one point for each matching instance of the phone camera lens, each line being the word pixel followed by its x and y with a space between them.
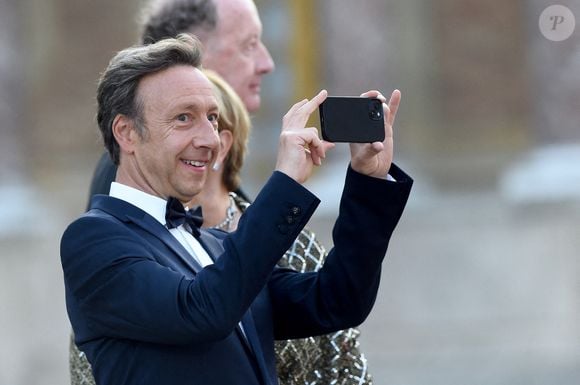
pixel 375 108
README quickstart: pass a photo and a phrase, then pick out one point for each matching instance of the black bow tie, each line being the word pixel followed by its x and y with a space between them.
pixel 176 215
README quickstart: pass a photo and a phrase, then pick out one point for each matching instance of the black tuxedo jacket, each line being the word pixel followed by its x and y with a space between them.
pixel 145 312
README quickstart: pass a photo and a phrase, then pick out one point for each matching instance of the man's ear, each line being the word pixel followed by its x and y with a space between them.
pixel 226 141
pixel 124 133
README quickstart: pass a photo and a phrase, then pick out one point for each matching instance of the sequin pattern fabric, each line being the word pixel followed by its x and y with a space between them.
pixel 80 368
pixel 329 359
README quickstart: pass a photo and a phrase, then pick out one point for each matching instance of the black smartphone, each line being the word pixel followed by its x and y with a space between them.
pixel 352 119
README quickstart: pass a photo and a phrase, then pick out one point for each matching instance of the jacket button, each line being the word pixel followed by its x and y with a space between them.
pixel 289 219
pixel 296 210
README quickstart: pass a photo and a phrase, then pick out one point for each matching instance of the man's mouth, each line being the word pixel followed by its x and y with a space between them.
pixel 255 87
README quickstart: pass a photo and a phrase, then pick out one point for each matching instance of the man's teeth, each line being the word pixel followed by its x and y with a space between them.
pixel 194 163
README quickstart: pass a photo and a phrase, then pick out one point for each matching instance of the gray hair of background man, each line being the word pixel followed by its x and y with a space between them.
pixel 117 90
pixel 168 18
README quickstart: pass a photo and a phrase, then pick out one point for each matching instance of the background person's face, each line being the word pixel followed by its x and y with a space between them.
pixel 180 114
pixel 235 50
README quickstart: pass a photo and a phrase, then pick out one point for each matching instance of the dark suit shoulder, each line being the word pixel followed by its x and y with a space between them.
pixel 104 226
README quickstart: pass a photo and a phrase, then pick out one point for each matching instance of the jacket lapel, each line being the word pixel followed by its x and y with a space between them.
pixel 253 340
pixel 126 212
pixel 157 229
pixel 211 244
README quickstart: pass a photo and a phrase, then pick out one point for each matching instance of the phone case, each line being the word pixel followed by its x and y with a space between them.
pixel 352 119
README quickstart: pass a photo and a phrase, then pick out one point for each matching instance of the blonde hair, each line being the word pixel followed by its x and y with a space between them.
pixel 233 117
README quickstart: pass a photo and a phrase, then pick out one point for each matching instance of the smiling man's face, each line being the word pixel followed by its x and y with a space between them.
pixel 180 115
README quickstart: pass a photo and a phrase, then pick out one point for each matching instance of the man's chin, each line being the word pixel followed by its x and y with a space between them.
pixel 187 195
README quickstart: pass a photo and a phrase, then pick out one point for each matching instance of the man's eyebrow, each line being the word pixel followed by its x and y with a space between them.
pixel 185 106
pixel 253 36
pixel 195 107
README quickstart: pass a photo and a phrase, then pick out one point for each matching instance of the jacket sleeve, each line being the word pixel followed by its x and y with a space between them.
pixel 116 286
pixel 343 292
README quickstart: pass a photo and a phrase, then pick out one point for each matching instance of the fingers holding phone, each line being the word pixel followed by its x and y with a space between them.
pixel 300 147
pixel 390 109
pixel 375 158
pixel 366 122
pixel 299 113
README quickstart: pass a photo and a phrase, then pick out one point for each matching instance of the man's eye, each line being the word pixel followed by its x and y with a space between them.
pixel 251 45
pixel 183 118
pixel 213 117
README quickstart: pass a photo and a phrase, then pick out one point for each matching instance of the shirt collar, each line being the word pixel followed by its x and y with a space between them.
pixel 151 204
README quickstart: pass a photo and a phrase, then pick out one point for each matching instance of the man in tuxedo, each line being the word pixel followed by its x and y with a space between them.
pixel 230 31
pixel 155 300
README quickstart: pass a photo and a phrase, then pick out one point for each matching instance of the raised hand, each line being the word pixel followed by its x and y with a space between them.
pixel 374 159
pixel 300 147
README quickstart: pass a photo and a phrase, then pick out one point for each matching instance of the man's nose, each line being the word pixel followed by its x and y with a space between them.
pixel 207 136
pixel 264 61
